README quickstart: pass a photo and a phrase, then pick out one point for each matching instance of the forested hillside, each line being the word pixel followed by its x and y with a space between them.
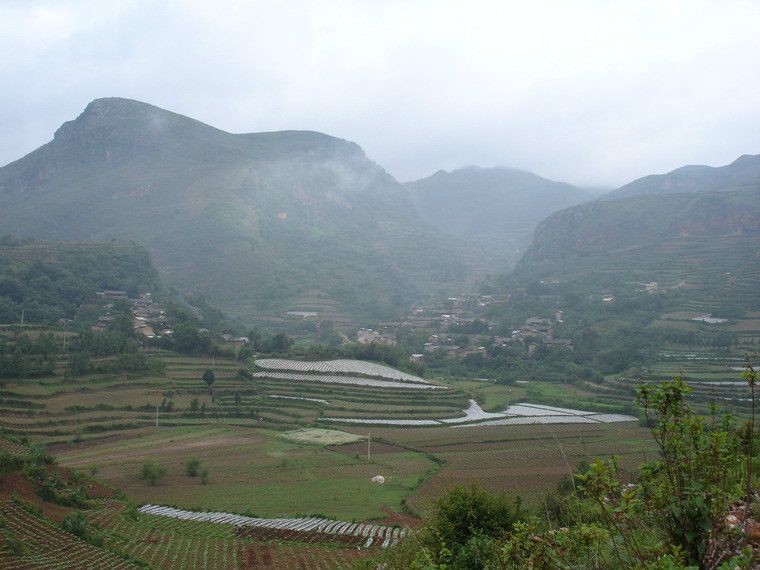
pixel 52 280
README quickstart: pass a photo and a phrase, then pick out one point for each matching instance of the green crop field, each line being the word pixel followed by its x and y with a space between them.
pixel 112 424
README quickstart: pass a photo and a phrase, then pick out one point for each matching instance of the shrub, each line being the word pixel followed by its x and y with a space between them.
pixel 10 462
pixel 192 467
pixel 151 472
pixel 131 513
pixel 700 463
pixel 76 524
pixel 467 511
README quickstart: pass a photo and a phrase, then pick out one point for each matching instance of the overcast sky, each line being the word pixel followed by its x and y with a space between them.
pixel 590 92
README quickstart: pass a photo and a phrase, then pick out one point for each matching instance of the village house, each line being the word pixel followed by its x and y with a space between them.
pixel 144 329
pixel 559 343
pixel 370 336
pixel 112 295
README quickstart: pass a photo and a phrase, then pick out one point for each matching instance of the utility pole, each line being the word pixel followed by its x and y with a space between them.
pixel 156 416
pixel 22 317
pixel 369 447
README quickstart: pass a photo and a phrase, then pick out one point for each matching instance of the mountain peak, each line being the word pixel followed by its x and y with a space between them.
pixel 744 172
pixel 747 160
pixel 115 112
pixel 114 105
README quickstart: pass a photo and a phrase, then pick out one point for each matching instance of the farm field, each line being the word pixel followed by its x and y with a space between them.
pixel 271 452
pixel 48 547
pixel 251 471
pixel 523 459
pixel 168 543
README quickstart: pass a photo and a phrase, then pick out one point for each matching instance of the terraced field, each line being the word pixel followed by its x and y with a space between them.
pixel 348 367
pixel 523 414
pixel 48 547
pixel 169 542
pixel 313 529
pixel 244 432
pixel 523 459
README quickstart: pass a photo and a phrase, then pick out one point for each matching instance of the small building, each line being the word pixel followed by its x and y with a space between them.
pixel 111 294
pixel 416 358
pixel 145 330
pixel 559 343
pixel 370 336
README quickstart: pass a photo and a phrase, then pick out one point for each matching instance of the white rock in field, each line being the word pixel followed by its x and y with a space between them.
pixel 379 479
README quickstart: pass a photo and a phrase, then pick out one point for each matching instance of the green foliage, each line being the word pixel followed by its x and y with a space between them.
pixel 192 467
pixel 532 546
pixel 13 545
pixel 50 281
pixel 187 339
pixel 699 470
pixel 24 357
pixel 208 377
pixel 10 462
pixel 151 472
pixel 464 527
pixel 76 524
pixel 131 513
pixel 54 490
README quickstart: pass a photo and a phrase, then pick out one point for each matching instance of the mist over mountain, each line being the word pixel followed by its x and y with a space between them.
pixel 496 208
pixel 256 221
pixel 743 173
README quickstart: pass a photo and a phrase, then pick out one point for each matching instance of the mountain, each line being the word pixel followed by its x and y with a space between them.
pixel 743 173
pixel 497 208
pixel 706 244
pixel 256 222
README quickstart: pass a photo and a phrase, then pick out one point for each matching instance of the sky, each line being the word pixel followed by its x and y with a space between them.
pixel 589 92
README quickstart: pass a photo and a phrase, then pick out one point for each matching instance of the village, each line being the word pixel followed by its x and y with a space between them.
pixel 150 319
pixel 460 327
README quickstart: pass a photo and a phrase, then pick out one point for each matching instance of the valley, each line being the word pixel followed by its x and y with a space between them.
pixel 263 351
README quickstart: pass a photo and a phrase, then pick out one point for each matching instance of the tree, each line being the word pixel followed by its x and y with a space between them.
pixel 189 340
pixel 209 377
pixel 280 343
pixel 151 472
